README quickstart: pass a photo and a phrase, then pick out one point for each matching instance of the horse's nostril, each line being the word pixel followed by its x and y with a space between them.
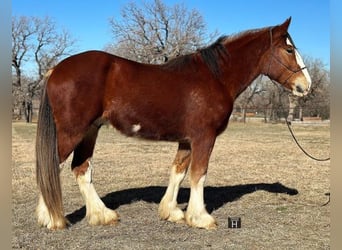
pixel 299 89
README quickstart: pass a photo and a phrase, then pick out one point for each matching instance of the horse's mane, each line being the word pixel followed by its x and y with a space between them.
pixel 212 55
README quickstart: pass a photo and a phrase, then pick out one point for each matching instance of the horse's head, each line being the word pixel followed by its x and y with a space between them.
pixel 285 65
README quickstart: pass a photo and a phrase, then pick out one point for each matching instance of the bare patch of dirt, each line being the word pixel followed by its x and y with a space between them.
pixel 256 172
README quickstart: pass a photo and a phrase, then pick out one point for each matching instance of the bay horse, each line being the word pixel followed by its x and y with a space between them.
pixel 186 100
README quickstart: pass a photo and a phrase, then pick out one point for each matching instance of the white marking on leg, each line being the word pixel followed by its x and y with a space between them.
pixel 196 202
pixel 43 213
pixel 136 128
pixel 168 209
pixel 44 218
pixel 196 214
pixel 97 212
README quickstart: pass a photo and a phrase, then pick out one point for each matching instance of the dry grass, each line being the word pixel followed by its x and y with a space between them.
pixel 255 172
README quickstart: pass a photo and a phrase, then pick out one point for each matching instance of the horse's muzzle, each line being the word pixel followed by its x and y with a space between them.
pixel 300 90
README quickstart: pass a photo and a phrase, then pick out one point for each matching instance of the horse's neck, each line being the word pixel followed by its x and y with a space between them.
pixel 245 65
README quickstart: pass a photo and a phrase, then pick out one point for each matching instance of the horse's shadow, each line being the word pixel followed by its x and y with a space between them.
pixel 215 197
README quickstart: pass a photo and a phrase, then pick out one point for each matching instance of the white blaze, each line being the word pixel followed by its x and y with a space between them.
pixel 301 64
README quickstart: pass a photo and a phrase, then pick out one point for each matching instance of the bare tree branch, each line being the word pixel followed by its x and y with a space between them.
pixel 155 32
pixel 274 101
pixel 36 42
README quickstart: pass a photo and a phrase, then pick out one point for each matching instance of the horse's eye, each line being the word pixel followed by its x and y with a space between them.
pixel 290 50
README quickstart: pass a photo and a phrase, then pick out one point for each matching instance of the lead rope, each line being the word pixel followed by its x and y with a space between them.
pixel 307 154
pixel 289 123
pixel 304 151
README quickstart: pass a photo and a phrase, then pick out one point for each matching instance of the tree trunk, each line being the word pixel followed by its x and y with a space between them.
pixel 28 111
pixel 300 113
pixel 244 115
pixel 293 101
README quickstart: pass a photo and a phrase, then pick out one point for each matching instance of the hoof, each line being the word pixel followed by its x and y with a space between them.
pixel 103 217
pixel 53 224
pixel 173 214
pixel 46 220
pixel 205 221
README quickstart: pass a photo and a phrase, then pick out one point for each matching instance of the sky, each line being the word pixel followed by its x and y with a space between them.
pixel 88 20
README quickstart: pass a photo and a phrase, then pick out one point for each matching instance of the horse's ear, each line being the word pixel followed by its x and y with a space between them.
pixel 281 29
pixel 286 24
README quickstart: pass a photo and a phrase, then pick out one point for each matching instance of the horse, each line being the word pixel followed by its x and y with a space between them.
pixel 187 100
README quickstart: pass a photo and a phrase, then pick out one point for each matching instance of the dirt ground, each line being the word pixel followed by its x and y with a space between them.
pixel 256 172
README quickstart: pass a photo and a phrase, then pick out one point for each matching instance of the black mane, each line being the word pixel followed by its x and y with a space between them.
pixel 214 54
pixel 211 55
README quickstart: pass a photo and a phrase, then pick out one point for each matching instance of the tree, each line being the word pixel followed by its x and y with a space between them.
pixel 317 102
pixel 37 44
pixel 154 32
pixel 274 102
pixel 248 98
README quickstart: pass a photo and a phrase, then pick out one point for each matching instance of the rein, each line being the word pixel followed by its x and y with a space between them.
pixel 293 72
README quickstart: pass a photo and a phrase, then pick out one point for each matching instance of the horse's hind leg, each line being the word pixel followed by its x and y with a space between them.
pixel 97 213
pixel 168 209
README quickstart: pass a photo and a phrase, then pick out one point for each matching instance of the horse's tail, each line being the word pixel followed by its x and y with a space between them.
pixel 47 159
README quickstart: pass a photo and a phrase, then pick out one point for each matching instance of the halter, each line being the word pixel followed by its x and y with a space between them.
pixel 293 72
pixel 279 61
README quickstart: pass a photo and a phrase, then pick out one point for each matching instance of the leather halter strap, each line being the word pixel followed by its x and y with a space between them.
pixel 273 57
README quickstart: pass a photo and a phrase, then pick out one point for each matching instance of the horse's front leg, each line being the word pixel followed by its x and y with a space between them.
pixel 168 209
pixel 196 214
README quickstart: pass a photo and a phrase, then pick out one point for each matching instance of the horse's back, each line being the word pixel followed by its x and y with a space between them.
pixel 89 64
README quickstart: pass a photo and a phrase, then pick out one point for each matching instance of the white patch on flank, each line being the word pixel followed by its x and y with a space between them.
pixel 136 128
pixel 300 62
